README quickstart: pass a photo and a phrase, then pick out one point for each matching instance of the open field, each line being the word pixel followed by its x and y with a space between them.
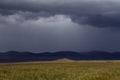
pixel 61 70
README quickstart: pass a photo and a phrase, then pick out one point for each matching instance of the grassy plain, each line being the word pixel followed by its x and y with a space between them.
pixel 61 70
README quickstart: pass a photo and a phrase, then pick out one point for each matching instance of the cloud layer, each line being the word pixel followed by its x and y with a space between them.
pixel 55 25
pixel 98 13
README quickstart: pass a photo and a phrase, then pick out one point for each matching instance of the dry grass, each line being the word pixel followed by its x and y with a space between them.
pixel 81 70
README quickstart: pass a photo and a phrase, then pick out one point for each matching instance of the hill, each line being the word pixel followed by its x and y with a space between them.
pixel 64 60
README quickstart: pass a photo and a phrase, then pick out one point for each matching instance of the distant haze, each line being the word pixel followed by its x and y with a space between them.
pixel 59 25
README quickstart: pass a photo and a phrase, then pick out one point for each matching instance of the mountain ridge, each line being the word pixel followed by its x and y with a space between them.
pixel 15 56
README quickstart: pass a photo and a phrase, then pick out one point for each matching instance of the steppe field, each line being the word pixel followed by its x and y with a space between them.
pixel 61 70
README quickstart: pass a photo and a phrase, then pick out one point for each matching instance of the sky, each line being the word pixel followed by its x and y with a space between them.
pixel 59 25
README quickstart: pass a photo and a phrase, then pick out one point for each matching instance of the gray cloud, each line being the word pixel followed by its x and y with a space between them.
pixel 92 10
pixel 41 34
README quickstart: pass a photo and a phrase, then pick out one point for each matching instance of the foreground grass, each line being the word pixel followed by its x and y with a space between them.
pixel 104 70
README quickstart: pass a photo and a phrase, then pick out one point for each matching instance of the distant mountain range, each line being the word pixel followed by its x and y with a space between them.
pixel 14 56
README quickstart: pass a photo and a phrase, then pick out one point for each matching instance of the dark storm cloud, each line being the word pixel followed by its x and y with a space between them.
pixel 89 12
pixel 100 20
pixel 104 21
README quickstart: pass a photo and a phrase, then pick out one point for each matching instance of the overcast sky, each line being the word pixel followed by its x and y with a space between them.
pixel 59 25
